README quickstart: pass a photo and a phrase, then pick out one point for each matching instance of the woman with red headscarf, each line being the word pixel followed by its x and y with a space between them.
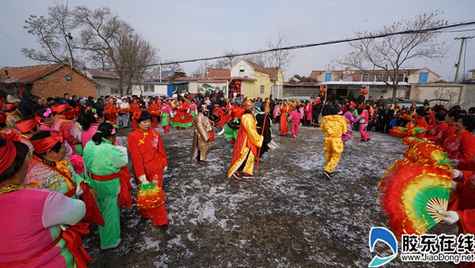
pixel 49 169
pixel 33 221
pixel 69 129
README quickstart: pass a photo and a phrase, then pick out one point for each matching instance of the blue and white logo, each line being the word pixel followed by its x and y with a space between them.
pixel 386 236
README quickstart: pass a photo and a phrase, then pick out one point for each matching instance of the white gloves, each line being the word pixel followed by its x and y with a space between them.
pixel 143 179
pixel 456 174
pixel 79 190
pixel 455 162
pixel 450 217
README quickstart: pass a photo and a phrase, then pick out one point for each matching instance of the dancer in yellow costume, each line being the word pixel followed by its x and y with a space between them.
pixel 246 147
pixel 333 127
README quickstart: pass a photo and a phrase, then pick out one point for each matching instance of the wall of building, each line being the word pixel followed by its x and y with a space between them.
pixel 252 89
pixel 468 96
pixel 451 92
pixel 413 77
pixel 107 87
pixel 55 84
pixel 295 91
pixel 193 87
pixel 248 70
pixel 201 86
pixel 387 93
pixel 161 90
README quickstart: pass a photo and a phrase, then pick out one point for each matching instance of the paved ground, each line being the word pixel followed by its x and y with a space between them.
pixel 289 216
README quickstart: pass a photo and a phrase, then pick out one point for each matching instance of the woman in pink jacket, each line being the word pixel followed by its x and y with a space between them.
pixel 33 221
pixel 363 120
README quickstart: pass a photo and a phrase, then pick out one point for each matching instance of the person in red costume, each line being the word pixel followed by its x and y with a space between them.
pixel 111 111
pixel 451 143
pixel 135 112
pixel 68 128
pixel 439 132
pixel 154 110
pixel 420 118
pixel 467 140
pixel 183 117
pixel 149 160
pixel 462 204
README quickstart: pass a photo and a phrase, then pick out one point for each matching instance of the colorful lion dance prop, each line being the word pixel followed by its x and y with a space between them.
pixel 427 153
pixel 414 196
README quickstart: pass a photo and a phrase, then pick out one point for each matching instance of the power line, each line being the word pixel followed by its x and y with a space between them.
pixel 457 31
pixel 374 36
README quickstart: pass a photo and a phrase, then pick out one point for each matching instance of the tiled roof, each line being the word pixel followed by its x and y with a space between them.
pixel 272 71
pixel 98 73
pixel 27 74
pixel 218 73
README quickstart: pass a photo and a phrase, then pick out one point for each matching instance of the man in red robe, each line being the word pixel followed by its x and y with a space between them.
pixel 149 160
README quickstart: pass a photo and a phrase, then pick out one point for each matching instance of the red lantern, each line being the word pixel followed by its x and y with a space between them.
pixel 364 91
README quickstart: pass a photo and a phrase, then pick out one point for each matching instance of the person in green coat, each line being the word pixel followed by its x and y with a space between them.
pixel 104 161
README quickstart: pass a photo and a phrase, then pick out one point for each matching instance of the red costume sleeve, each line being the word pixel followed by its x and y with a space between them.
pixel 463 203
pixel 421 122
pixel 137 159
pixel 467 220
pixel 467 144
pixel 161 150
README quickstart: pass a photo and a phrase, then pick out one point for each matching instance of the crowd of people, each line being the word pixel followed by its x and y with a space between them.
pixel 62 168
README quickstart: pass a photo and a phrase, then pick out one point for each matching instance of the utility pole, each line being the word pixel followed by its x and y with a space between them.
pixel 462 43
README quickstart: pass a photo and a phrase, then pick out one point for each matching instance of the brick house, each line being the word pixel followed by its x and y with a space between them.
pixel 48 80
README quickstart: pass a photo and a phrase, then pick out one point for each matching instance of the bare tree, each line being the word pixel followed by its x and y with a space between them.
pixel 54 35
pixel 101 35
pixel 134 54
pixel 391 53
pixel 259 59
pixel 225 63
pixel 278 58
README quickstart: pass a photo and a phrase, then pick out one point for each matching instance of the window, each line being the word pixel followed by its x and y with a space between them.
pixel 148 88
pixel 366 77
pixel 262 89
pixel 423 77
pixel 241 69
pixel 68 78
pixel 328 76
pixel 381 77
pixel 400 77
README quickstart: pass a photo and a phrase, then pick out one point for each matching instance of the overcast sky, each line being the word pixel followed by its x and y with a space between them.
pixel 187 29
